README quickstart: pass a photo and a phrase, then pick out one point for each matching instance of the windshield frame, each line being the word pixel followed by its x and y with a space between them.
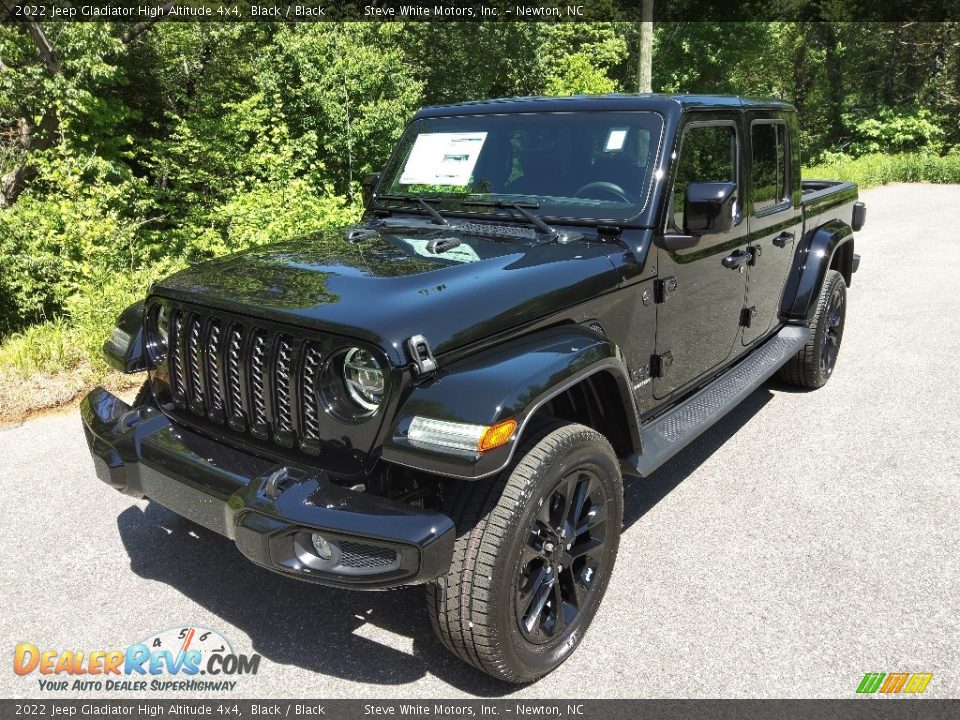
pixel 493 213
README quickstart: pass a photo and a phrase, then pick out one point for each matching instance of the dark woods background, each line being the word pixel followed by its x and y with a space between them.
pixel 127 150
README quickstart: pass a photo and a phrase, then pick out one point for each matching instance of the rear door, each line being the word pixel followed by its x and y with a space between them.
pixel 773 206
pixel 699 298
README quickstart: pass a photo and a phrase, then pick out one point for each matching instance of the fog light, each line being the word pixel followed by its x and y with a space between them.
pixel 321 546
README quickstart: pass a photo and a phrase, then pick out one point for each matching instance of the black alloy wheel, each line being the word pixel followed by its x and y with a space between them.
pixel 562 558
pixel 833 332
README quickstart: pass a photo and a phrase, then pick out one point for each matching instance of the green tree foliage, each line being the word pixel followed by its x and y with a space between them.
pixel 127 151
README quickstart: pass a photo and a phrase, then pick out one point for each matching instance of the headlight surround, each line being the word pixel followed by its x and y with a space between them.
pixel 353 384
pixel 157 335
pixel 363 379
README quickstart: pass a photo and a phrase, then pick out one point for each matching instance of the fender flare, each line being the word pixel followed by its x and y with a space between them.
pixel 510 381
pixel 810 265
pixel 124 349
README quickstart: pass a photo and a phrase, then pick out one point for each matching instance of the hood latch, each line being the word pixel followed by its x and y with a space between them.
pixel 419 351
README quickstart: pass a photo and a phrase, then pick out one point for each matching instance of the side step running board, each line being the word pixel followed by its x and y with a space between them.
pixel 664 436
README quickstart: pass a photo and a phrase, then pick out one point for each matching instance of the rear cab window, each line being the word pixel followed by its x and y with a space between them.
pixel 771 176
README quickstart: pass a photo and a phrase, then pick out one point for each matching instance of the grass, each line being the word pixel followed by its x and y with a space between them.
pixel 870 170
pixel 49 366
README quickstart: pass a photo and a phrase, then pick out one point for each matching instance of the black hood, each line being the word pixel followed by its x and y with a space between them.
pixel 388 286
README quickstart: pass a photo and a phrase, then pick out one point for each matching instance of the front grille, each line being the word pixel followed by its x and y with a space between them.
pixel 248 377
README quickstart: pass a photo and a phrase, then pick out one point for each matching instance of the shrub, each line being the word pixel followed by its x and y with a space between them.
pixel 897 130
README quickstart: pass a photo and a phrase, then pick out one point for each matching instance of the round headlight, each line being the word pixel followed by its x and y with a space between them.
pixel 364 378
pixel 158 340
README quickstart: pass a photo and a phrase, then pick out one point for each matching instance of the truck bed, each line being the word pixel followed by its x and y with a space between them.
pixel 825 199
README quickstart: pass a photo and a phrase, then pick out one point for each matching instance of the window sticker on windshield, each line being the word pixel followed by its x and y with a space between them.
pixel 443 159
pixel 615 139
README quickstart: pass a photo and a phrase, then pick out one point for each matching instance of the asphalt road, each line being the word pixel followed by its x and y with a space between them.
pixel 808 538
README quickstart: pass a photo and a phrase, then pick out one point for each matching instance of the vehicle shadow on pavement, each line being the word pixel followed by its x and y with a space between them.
pixel 289 622
pixel 325 630
pixel 641 495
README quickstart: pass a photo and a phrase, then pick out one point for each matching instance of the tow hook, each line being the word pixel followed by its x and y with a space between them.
pixel 281 479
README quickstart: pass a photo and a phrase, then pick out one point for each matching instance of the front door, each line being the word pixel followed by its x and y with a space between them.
pixel 775 219
pixel 700 295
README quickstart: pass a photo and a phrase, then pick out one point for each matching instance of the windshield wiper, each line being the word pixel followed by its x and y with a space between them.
pixel 521 208
pixel 438 219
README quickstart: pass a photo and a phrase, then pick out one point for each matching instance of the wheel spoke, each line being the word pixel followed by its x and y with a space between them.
pixel 539 601
pixel 594 517
pixel 585 548
pixel 567 491
pixel 576 592
pixel 579 499
pixel 536 582
pixel 543 514
pixel 529 553
pixel 560 621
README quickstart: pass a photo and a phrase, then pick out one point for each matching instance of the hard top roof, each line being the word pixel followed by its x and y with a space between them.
pixel 651 101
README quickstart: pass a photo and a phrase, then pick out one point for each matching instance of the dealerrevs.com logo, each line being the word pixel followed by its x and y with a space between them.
pixel 175 660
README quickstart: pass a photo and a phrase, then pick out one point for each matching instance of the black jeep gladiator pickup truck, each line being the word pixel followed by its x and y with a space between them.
pixel 544 295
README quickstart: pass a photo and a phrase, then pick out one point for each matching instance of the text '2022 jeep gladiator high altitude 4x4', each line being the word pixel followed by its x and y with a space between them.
pixel 545 295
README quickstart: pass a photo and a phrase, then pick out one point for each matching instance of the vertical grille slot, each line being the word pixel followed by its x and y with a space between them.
pixel 231 366
pixel 178 380
pixel 282 379
pixel 194 368
pixel 214 387
pixel 258 402
pixel 308 391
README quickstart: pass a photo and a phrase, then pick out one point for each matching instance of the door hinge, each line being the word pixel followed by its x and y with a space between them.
pixel 659 364
pixel 747 315
pixel 419 351
pixel 663 288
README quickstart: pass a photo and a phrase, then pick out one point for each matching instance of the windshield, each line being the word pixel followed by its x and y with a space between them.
pixel 591 165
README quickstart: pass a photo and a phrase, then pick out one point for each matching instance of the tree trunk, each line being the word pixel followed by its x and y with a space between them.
pixel 44 134
pixel 645 56
pixel 15 181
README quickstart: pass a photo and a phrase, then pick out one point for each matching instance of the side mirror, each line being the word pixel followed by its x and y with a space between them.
pixel 708 208
pixel 367 186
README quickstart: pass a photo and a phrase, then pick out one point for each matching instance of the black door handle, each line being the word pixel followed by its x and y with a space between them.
pixel 782 239
pixel 737 260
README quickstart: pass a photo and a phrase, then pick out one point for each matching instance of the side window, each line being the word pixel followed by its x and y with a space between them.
pixel 708 153
pixel 770 184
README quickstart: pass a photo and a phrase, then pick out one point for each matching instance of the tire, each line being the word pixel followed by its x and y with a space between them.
pixel 813 365
pixel 503 549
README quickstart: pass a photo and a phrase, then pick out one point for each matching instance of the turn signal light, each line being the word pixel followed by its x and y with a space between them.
pixel 496 435
pixel 458 438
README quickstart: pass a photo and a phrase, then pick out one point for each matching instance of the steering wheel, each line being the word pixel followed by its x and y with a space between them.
pixel 607 187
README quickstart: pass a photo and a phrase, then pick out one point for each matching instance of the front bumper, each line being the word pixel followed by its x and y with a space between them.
pixel 270 510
